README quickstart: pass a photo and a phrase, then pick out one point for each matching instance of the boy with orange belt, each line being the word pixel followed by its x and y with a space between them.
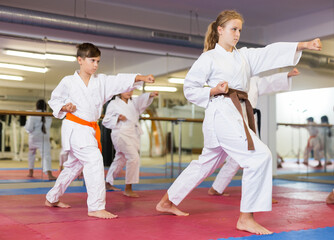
pixel 80 97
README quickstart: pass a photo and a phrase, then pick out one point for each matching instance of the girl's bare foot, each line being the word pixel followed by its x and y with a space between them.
pixel 213 192
pixel 111 187
pixel 130 194
pixel 246 222
pixel 167 206
pixel 274 201
pixel 330 198
pixel 57 204
pixel 102 214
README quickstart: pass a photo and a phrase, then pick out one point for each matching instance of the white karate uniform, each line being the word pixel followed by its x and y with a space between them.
pixel 258 87
pixel 79 140
pixel 313 143
pixel 223 129
pixel 39 140
pixel 125 136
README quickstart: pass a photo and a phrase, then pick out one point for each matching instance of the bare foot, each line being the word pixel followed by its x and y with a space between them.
pixel 52 178
pixel 213 192
pixel 102 214
pixel 330 198
pixel 57 204
pixel 31 173
pixel 274 201
pixel 167 206
pixel 111 187
pixel 130 194
pixel 246 222
pixel 305 163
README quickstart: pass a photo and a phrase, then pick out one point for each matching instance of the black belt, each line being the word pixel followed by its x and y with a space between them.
pixel 258 112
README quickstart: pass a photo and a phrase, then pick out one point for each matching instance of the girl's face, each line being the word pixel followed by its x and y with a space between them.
pixel 126 95
pixel 229 35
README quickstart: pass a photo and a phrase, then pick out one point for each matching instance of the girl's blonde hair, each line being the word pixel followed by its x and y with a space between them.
pixel 211 36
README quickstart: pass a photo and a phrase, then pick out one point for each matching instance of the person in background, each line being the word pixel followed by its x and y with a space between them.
pixel 122 117
pixel 39 138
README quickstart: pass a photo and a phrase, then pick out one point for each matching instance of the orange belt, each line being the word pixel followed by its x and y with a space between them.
pixel 73 118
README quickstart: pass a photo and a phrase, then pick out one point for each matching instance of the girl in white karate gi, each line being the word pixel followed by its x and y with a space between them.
pixel 258 87
pixel 223 67
pixel 80 98
pixel 122 117
pixel 39 138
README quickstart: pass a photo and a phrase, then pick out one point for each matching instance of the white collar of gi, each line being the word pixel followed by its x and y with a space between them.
pixel 222 50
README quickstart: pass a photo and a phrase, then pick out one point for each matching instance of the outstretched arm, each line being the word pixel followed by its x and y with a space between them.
pixel 147 78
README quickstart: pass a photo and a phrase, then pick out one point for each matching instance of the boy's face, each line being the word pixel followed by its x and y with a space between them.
pixel 127 95
pixel 89 65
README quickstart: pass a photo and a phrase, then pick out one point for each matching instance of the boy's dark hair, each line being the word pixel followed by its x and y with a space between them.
pixel 88 50
pixel 310 119
pixel 324 119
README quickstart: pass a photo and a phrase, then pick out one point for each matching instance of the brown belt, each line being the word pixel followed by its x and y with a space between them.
pixel 236 96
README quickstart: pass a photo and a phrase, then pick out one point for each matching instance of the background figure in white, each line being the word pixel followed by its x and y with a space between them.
pixel 39 138
pixel 258 87
pixel 325 135
pixel 122 117
pixel 313 142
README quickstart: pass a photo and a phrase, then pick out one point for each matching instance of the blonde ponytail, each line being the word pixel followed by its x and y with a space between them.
pixel 211 37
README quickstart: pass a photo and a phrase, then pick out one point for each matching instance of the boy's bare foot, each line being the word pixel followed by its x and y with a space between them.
pixel 130 194
pixel 274 201
pixel 246 222
pixel 330 198
pixel 167 206
pixel 102 214
pixel 305 163
pixel 213 192
pixel 111 187
pixel 57 204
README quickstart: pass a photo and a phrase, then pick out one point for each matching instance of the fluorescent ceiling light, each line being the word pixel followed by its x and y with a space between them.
pixel 159 88
pixel 24 67
pixel 11 77
pixel 52 56
pixel 176 80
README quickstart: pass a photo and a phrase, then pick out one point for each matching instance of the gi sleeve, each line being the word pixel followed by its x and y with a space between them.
pixel 29 127
pixel 142 102
pixel 58 99
pixel 272 56
pixel 111 117
pixel 196 78
pixel 274 83
pixel 120 83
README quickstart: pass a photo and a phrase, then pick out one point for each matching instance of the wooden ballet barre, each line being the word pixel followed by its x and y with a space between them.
pixel 304 125
pixel 33 113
